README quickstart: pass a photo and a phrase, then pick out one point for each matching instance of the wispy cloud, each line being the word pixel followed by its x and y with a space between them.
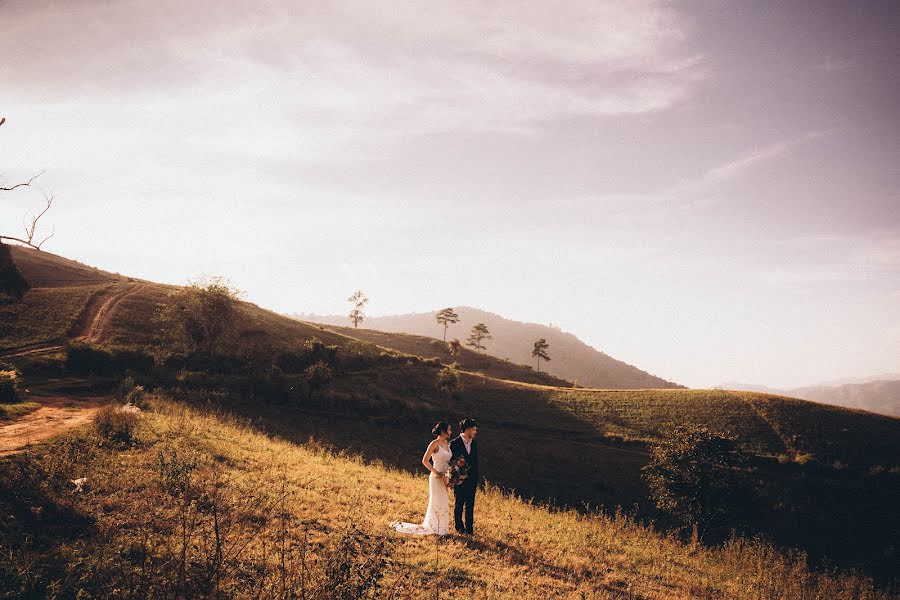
pixel 701 190
pixel 366 68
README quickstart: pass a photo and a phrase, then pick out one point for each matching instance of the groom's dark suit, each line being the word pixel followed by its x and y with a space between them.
pixel 464 493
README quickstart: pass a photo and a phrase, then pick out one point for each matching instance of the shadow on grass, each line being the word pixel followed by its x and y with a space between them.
pixel 33 527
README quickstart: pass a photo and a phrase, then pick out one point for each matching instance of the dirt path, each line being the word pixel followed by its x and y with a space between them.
pixel 56 414
pixel 100 311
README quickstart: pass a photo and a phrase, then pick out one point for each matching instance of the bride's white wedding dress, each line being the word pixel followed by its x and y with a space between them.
pixel 437 515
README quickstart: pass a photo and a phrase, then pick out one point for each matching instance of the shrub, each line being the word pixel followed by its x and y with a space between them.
pixel 317 377
pixel 291 362
pixel 137 396
pixel 128 392
pixel 201 317
pixel 90 359
pixel 353 564
pixel 175 470
pixel 357 355
pixel 116 426
pixel 316 350
pixel 447 380
pixel 698 477
pixel 11 387
pixel 124 388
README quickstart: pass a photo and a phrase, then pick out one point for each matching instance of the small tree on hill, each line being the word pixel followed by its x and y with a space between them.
pixel 446 317
pixel 540 352
pixel 455 348
pixel 318 376
pixel 479 334
pixel 699 478
pixel 200 317
pixel 447 380
pixel 358 301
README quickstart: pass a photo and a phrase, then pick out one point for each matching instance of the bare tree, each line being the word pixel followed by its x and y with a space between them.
pixel 24 184
pixel 32 223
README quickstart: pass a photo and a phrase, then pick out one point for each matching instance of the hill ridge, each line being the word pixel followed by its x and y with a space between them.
pixel 572 359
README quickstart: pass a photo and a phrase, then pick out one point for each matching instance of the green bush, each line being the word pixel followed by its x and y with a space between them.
pixel 11 387
pixel 447 380
pixel 317 377
pixel 316 351
pixel 699 478
pixel 89 359
pixel 116 426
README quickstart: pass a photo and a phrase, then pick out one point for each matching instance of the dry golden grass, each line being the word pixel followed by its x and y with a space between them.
pixel 269 492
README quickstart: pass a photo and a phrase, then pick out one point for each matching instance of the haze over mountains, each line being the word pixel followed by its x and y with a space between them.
pixel 571 358
pixel 880 394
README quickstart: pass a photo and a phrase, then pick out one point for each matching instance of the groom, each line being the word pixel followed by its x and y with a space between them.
pixel 464 493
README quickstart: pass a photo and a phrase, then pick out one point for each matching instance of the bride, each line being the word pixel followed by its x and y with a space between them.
pixel 437 515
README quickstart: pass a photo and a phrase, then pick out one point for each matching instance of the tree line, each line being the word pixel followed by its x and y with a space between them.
pixel 445 318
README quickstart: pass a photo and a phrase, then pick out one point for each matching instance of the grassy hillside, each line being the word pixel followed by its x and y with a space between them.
pixel 571 359
pixel 467 359
pixel 202 505
pixel 44 314
pixel 62 288
pixel 828 476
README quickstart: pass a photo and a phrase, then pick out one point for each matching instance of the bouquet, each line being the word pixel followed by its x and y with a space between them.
pixel 458 471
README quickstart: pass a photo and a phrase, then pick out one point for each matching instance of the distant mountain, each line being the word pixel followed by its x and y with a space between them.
pixel 571 359
pixel 751 387
pixel 875 395
pixel 846 380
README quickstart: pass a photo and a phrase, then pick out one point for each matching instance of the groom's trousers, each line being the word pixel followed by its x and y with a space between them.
pixel 464 496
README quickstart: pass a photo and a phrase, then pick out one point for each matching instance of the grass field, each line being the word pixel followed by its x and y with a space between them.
pixel 205 505
pixel 829 475
pixel 43 314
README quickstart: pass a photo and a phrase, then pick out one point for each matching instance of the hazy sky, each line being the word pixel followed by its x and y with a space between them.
pixel 707 190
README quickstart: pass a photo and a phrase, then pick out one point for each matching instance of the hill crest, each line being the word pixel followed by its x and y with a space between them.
pixel 571 358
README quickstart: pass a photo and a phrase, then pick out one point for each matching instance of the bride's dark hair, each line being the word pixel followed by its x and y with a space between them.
pixel 440 428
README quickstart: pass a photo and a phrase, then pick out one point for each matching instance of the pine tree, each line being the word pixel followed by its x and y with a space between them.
pixel 540 352
pixel 479 334
pixel 446 317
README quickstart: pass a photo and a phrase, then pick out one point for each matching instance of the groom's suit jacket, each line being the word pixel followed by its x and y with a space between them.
pixel 458 448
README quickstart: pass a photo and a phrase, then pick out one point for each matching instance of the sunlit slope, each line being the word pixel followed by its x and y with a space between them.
pixel 572 359
pixel 469 360
pixel 64 292
pixel 284 505
pixel 766 424
pixel 497 391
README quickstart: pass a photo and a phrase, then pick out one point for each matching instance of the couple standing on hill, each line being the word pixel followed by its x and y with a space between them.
pixel 452 465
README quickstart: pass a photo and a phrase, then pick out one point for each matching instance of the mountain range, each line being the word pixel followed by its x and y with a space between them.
pixel 879 394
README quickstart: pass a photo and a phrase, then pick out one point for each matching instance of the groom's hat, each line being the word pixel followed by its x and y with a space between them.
pixel 466 423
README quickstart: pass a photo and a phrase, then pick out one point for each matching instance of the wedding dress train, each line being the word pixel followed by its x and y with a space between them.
pixel 437 515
